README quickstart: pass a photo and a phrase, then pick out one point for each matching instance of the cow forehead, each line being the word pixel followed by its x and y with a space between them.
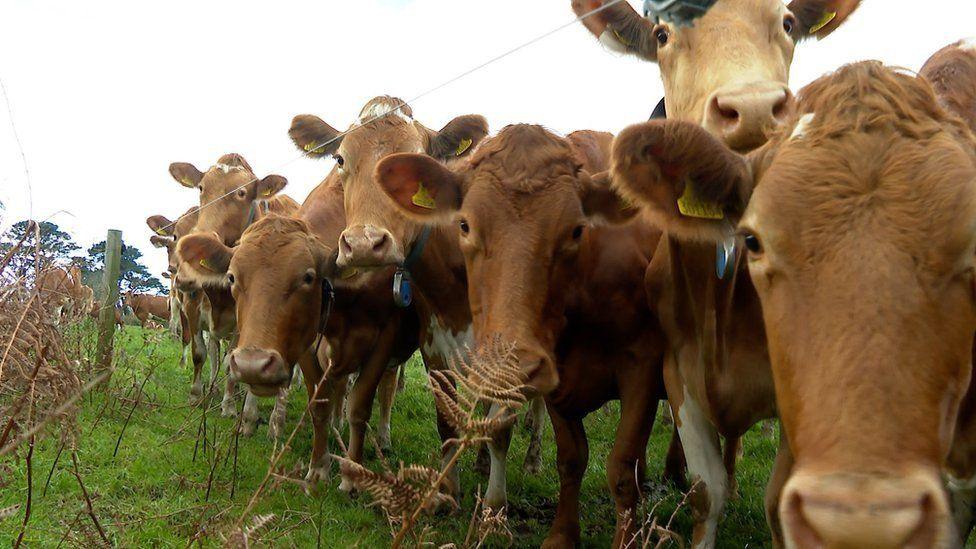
pixel 224 176
pixel 378 138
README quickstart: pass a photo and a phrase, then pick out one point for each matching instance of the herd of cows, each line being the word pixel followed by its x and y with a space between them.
pixel 753 254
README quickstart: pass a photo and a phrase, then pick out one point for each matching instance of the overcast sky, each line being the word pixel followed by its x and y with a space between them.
pixel 105 95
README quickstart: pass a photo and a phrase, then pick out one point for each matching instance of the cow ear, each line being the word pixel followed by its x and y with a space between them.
pixel 205 258
pixel 618 27
pixel 420 185
pixel 270 186
pixel 186 174
pixel 600 199
pixel 313 136
pixel 161 241
pixel 690 183
pixel 821 17
pixel 459 137
pixel 161 225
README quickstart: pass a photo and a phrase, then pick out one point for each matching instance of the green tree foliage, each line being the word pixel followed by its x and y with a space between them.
pixel 134 275
pixel 56 247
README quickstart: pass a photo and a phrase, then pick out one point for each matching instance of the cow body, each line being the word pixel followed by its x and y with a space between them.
pixel 568 296
pixel 728 73
pixel 145 306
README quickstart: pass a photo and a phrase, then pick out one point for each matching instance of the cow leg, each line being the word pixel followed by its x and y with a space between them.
pixel 666 418
pixel 731 453
pixel 572 455
pixel 535 417
pixel 320 460
pixel 198 355
pixel 276 423
pixel 338 402
pixel 496 497
pixel 774 489
pixel 249 419
pixel 402 378
pixel 710 480
pixel 962 496
pixel 388 391
pixel 636 422
pixel 675 467
pixel 361 398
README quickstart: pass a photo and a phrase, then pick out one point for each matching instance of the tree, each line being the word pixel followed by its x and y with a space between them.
pixel 134 275
pixel 56 247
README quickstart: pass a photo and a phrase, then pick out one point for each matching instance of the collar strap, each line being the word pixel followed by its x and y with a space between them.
pixel 253 213
pixel 418 248
pixel 328 298
pixel 660 111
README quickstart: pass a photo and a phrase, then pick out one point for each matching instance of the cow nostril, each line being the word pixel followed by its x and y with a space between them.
pixel 726 114
pixel 380 243
pixel 783 106
pixel 344 245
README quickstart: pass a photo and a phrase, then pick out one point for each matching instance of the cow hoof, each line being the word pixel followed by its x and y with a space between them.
pixel 384 443
pixel 496 504
pixel 248 428
pixel 227 409
pixel 482 463
pixel 558 541
pixel 316 477
pixel 346 487
pixel 532 467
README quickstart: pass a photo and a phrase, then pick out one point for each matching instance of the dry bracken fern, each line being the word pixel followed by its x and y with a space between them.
pixel 400 493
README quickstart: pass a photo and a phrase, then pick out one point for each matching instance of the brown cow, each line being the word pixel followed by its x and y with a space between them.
pixel 566 292
pixel 378 236
pixel 231 198
pixel 279 322
pixel 145 306
pixel 860 237
pixel 729 73
pixel 952 73
pixel 55 287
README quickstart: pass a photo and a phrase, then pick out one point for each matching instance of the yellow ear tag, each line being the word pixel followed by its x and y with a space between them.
pixel 463 146
pixel 828 16
pixel 160 232
pixel 187 182
pixel 620 38
pixel 691 206
pixel 267 192
pixel 309 147
pixel 422 198
pixel 206 265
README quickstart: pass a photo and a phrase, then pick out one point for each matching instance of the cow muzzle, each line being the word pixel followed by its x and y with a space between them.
pixel 860 510
pixel 367 246
pixel 742 115
pixel 541 377
pixel 265 372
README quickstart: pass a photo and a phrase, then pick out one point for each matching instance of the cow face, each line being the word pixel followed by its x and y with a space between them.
pixel 518 209
pixel 275 275
pixel 376 233
pixel 730 70
pixel 859 225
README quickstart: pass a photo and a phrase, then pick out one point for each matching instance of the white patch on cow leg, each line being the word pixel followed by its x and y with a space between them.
pixel 227 405
pixel 705 466
pixel 249 419
pixel 533 454
pixel 175 326
pixel 213 352
pixel 496 497
pixel 318 473
pixel 276 423
pixel 445 343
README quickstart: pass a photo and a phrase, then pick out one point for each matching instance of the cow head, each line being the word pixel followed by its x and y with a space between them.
pixel 376 234
pixel 167 233
pixel 859 222
pixel 730 70
pixel 275 275
pixel 518 209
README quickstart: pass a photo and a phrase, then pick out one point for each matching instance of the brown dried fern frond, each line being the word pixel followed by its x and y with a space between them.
pixel 412 487
pixel 492 373
pixel 241 537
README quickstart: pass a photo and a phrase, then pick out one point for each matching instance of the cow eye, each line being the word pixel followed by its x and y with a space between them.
pixel 230 278
pixel 465 228
pixel 578 232
pixel 753 244
pixel 339 160
pixel 241 193
pixel 309 278
pixel 662 35
pixel 789 23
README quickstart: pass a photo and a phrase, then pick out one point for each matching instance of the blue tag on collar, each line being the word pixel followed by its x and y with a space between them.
pixel 724 256
pixel 402 290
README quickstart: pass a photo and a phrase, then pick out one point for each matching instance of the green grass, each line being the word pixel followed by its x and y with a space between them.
pixel 153 492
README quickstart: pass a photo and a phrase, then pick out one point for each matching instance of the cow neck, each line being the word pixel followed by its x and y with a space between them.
pixel 252 214
pixel 440 280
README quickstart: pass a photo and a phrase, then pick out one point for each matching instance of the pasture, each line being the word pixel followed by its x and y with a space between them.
pixel 164 488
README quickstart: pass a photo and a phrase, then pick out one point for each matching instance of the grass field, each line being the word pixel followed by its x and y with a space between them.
pixel 153 491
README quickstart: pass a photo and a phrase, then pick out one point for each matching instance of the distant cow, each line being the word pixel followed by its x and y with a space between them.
pixel 859 225
pixel 145 306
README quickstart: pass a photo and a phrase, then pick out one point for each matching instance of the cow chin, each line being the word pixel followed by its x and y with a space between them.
pixel 265 390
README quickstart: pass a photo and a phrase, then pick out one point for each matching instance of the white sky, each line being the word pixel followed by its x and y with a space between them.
pixel 106 94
